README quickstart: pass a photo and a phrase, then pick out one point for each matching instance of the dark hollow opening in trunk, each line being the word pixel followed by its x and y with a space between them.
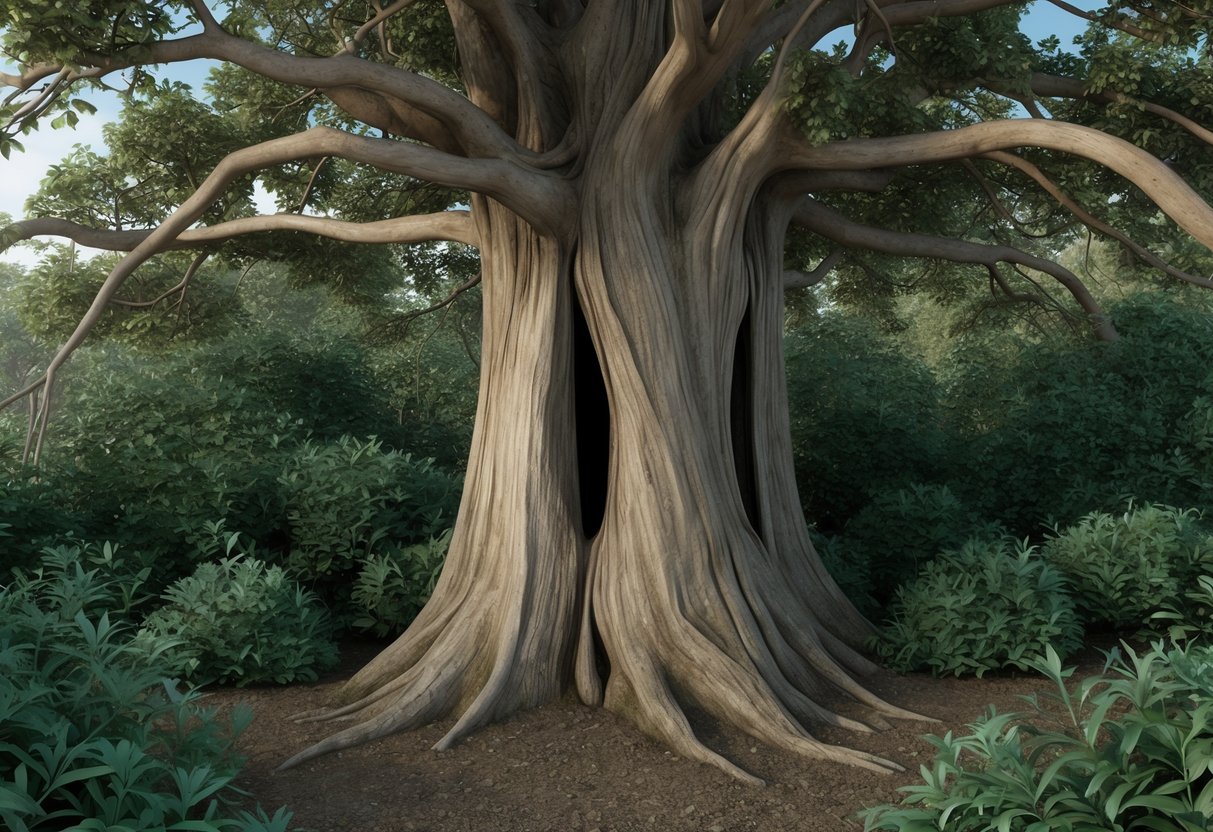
pixel 593 415
pixel 741 413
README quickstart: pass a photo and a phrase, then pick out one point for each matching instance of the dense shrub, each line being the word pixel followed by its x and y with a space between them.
pixel 1189 616
pixel 1124 567
pixel 241 621
pixel 1128 750
pixel 393 587
pixel 31 517
pixel 899 531
pixel 863 416
pixel 350 499
pixel 151 452
pixel 1049 431
pixel 92 736
pixel 985 606
pixel 848 570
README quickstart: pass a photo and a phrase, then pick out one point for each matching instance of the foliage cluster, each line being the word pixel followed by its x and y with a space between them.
pixel 156 453
pixel 1129 749
pixel 900 460
pixel 984 606
pixel 1123 568
pixel 241 621
pixel 93 735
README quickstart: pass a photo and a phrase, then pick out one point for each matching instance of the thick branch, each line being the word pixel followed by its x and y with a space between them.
pixel 1088 219
pixel 834 226
pixel 797 279
pixel 1162 185
pixel 474 130
pixel 1057 86
pixel 452 226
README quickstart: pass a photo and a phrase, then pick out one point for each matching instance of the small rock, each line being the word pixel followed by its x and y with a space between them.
pixel 688 810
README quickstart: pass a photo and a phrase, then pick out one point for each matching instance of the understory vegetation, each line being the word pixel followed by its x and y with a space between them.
pixel 227 509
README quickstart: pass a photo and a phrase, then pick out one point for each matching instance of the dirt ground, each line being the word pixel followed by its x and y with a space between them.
pixel 569 768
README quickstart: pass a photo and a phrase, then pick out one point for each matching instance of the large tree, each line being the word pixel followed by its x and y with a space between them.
pixel 643 180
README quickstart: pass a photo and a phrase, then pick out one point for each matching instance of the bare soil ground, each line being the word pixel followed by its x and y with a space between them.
pixel 569 768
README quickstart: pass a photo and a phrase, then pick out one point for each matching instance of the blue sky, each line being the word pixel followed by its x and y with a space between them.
pixel 20 174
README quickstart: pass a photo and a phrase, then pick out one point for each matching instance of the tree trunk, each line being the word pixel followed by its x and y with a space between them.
pixel 656 558
pixel 498 633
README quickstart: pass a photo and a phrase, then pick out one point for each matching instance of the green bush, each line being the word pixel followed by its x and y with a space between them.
pixel 1190 616
pixel 848 571
pixel 1125 567
pixel 899 531
pixel 985 606
pixel 350 499
pixel 1122 419
pixel 241 621
pixel 393 587
pixel 864 417
pixel 92 736
pixel 1129 750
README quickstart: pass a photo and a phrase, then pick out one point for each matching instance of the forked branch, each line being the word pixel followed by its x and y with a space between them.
pixel 1091 221
pixel 834 226
pixel 1162 185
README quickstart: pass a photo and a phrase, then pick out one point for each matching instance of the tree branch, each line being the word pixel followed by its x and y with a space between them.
pixel 181 286
pixel 450 226
pixel 1122 25
pixel 1057 86
pixel 400 324
pixel 395 156
pixel 834 226
pixel 796 279
pixel 476 133
pixel 1091 221
pixel 1162 185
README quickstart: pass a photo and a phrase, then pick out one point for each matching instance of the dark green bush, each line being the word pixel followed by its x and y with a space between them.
pixel 393 587
pixel 348 500
pixel 985 606
pixel 241 621
pixel 1122 568
pixel 1190 616
pixel 92 736
pixel 899 531
pixel 863 417
pixel 1129 750
pixel 848 570
pixel 1052 430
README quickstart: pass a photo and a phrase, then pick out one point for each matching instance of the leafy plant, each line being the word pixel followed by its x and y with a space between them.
pixel 92 736
pixel 848 569
pixel 985 606
pixel 1125 567
pixel 899 531
pixel 1131 749
pixel 393 587
pixel 864 416
pixel 241 621
pixel 1190 615
pixel 348 500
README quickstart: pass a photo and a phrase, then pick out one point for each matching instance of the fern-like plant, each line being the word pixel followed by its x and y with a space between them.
pixel 1131 749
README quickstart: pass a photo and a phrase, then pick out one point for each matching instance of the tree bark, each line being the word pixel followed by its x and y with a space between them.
pixel 498 633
